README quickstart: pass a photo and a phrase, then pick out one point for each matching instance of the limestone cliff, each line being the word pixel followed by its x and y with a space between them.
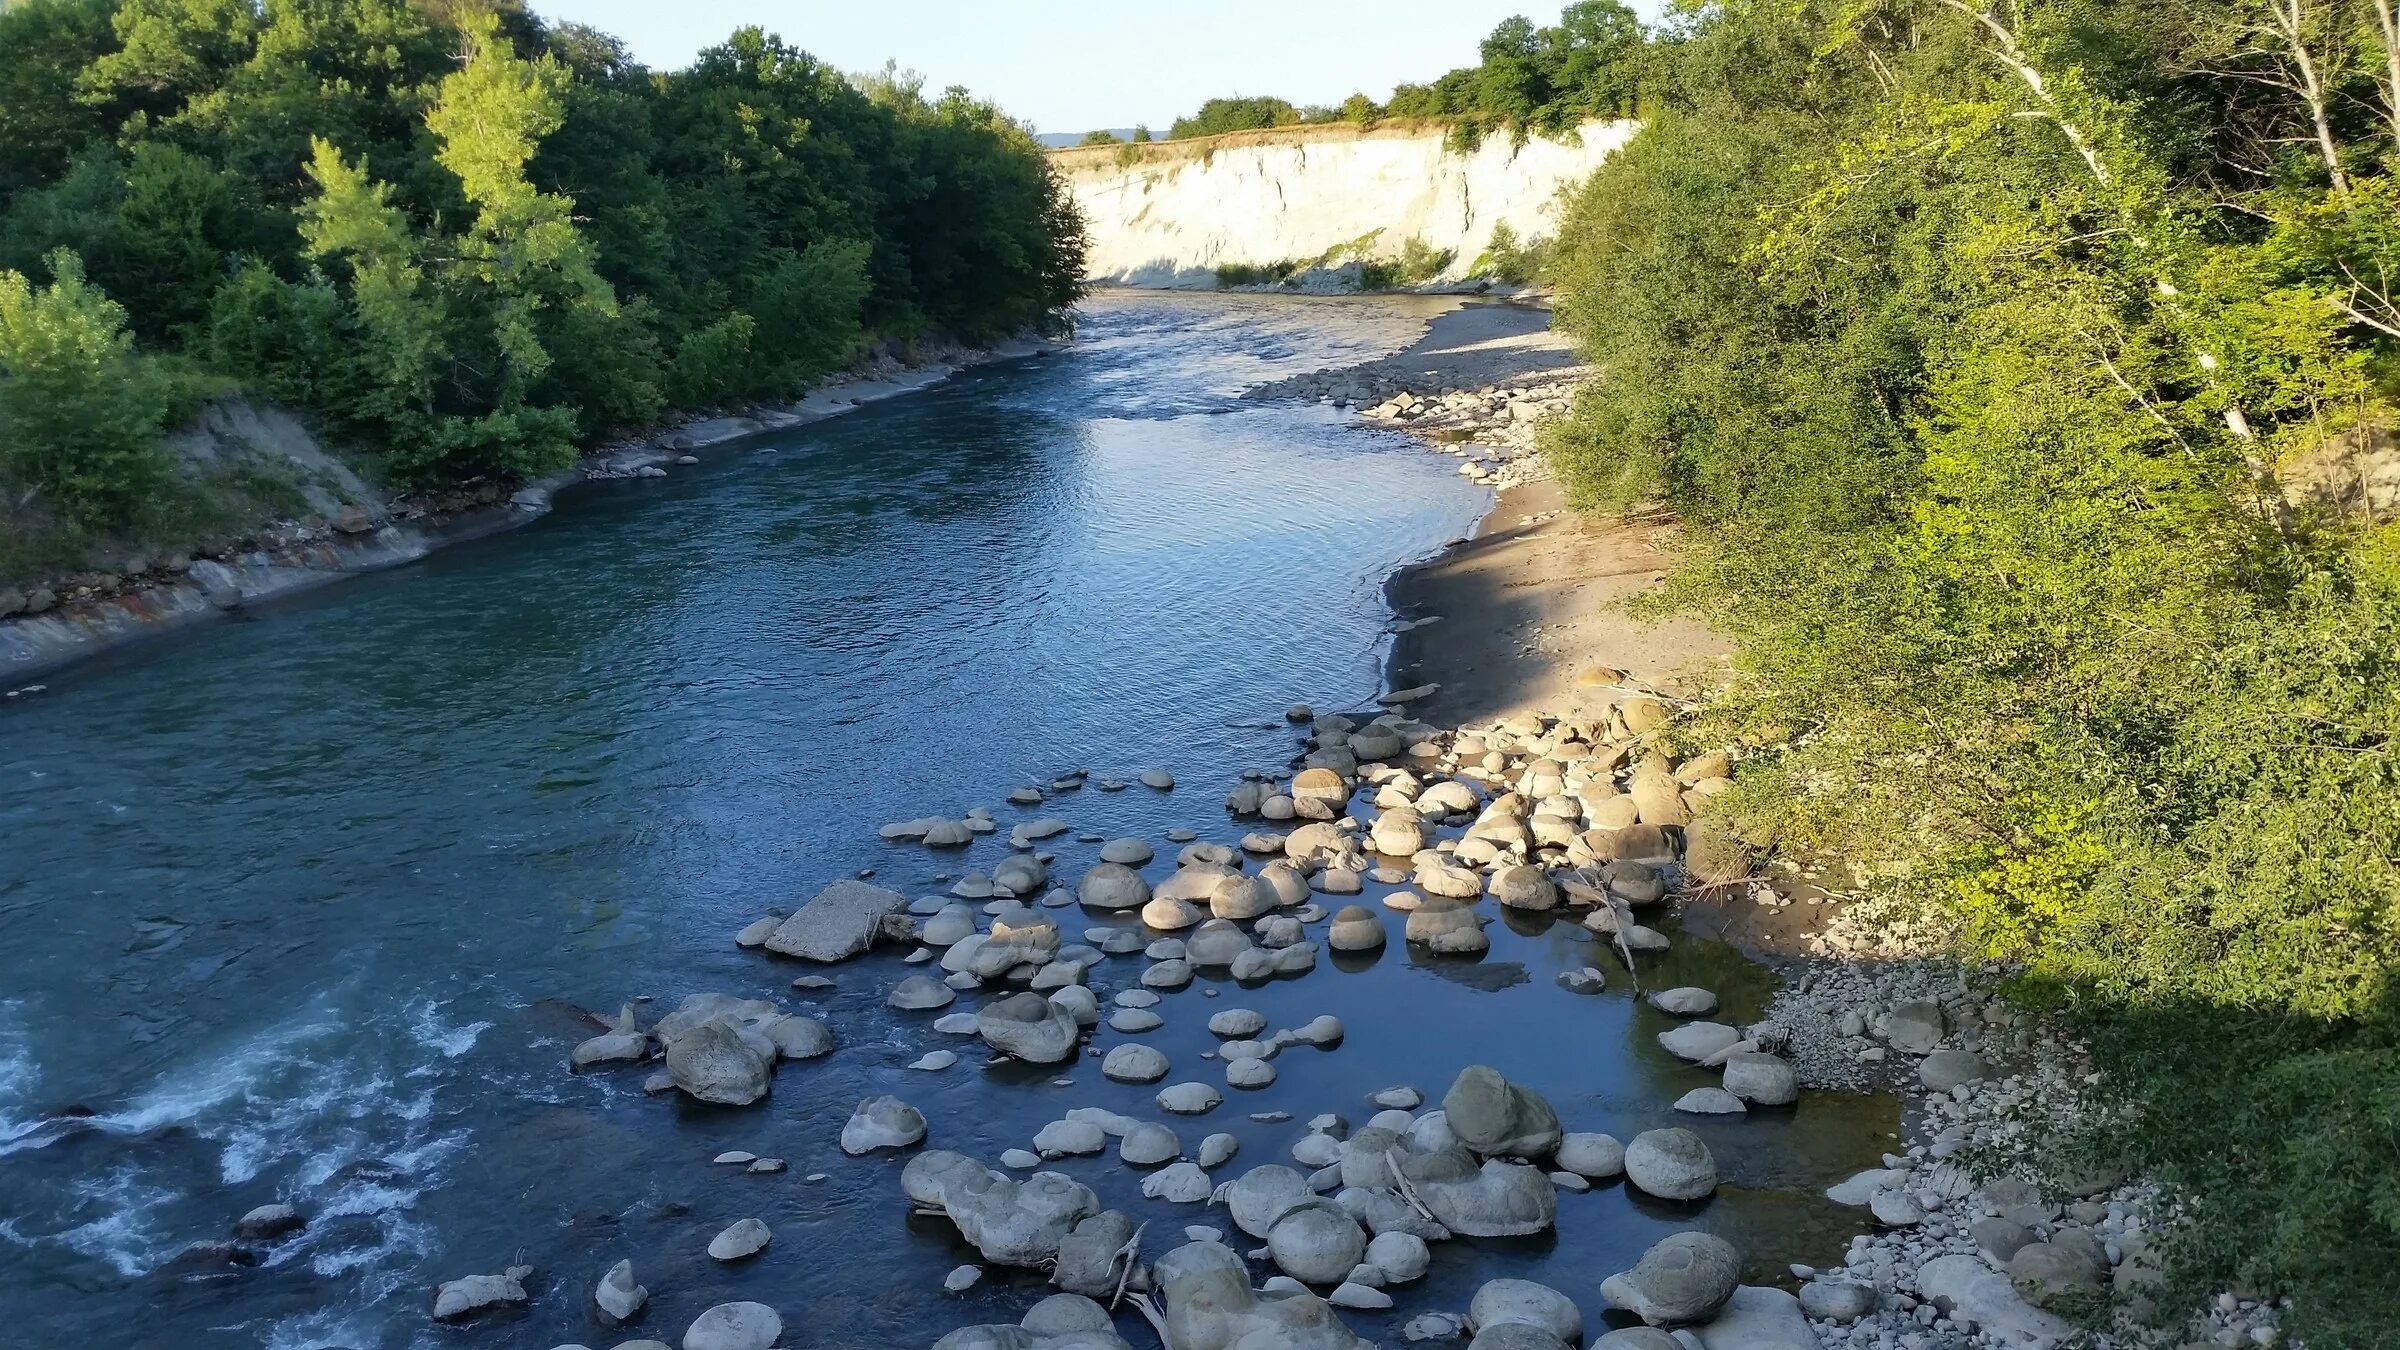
pixel 1171 214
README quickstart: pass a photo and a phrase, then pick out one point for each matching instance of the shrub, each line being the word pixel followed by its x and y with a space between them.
pixel 80 413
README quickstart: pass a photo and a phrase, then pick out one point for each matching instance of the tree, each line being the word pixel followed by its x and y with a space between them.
pixel 80 414
pixel 1099 138
pixel 43 46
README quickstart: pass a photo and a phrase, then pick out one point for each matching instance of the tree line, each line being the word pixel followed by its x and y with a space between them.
pixel 1530 79
pixel 463 236
pixel 2024 372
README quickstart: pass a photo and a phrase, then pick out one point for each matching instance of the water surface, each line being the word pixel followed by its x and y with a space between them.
pixel 304 907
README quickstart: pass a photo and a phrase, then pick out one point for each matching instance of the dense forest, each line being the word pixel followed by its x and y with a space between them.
pixel 463 239
pixel 2025 373
pixel 1529 79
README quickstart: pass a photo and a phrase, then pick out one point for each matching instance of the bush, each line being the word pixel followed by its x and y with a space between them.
pixel 1505 259
pixel 1256 274
pixel 1220 115
pixel 80 414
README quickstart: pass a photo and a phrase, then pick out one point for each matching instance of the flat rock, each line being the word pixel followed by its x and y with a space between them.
pixel 837 923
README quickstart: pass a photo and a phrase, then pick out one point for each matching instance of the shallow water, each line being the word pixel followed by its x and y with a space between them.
pixel 304 907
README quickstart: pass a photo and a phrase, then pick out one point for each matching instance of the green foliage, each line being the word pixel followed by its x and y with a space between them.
pixel 1100 138
pixel 1972 391
pixel 469 239
pixel 1257 274
pixel 1239 113
pixel 80 414
pixel 1141 135
pixel 1591 63
pixel 1505 258
pixel 1420 262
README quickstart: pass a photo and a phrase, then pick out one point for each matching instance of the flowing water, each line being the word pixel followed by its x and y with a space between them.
pixel 305 907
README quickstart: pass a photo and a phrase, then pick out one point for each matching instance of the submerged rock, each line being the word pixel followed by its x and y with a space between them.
pixel 464 1298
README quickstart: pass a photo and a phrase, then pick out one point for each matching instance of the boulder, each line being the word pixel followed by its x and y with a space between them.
pixel 1757 1318
pixel 838 922
pixel 1498 1199
pixel 617 1295
pixel 1008 1222
pixel 623 1042
pixel 1208 1304
pixel 745 1238
pixel 1915 1027
pixel 1597 1156
pixel 1671 1164
pixel 1148 1144
pixel 882 1122
pixel 1762 1080
pixel 1962 1285
pixel 1945 1069
pixel 721 1062
pixel 1523 1303
pixel 1696 1042
pixel 1401 1257
pixel 1134 1064
pixel 1713 854
pixel 1215 944
pixel 920 993
pixel 1189 1099
pixel 1494 1116
pixel 1837 1300
pixel 1444 925
pixel 458 1299
pixel 1242 896
pixel 1316 1242
pixel 1181 1183
pixel 1523 886
pixel 1686 1001
pixel 1070 1139
pixel 1355 929
pixel 735 1326
pixel 1113 885
pixel 1029 1027
pixel 1683 1278
pixel 1435 877
pixel 1710 1101
pixel 2067 1271
pixel 268 1222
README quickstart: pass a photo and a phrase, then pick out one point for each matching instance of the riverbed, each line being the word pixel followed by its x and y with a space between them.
pixel 307 907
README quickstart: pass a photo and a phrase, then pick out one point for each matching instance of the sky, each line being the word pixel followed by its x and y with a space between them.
pixel 1076 65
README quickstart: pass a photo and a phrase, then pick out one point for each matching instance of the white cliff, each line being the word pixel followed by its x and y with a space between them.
pixel 1319 195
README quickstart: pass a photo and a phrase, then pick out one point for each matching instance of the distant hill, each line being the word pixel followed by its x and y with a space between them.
pixel 1053 140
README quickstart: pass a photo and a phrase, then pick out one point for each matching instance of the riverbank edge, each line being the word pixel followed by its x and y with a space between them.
pixel 34 647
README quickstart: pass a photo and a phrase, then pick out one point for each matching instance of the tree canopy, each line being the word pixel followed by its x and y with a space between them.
pixel 474 238
pixel 2024 372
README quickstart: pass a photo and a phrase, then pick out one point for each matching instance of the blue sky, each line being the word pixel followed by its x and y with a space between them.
pixel 1072 65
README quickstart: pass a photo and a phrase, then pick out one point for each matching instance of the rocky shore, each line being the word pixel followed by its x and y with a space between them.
pixel 66 620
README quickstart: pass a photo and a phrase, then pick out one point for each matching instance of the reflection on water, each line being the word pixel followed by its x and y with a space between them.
pixel 305 907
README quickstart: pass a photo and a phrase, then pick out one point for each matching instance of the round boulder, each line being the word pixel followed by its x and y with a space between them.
pixel 1671 1164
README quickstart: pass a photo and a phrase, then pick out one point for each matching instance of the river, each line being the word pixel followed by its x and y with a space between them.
pixel 302 907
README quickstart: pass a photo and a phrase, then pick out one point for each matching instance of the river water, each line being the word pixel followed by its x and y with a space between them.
pixel 304 907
